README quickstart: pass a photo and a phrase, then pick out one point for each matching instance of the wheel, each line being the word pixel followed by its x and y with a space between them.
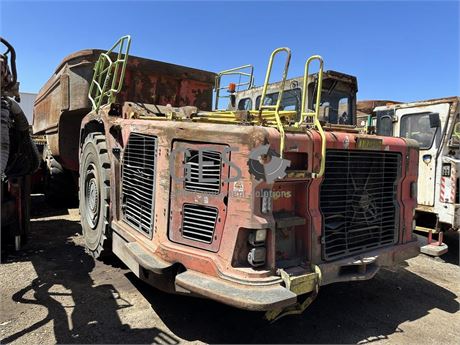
pixel 59 186
pixel 94 194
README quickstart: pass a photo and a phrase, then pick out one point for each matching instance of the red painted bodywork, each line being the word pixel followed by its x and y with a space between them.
pixel 242 213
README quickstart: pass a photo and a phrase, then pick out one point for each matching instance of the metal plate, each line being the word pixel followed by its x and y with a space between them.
pixel 369 144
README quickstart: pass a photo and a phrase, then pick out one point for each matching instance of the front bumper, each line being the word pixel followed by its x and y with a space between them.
pixel 264 298
pixel 366 265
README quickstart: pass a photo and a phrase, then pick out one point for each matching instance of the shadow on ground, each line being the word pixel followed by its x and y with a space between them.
pixel 343 313
pixel 63 266
pixel 451 238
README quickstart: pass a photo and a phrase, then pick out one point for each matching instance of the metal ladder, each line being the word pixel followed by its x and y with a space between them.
pixel 270 114
pixel 109 74
pixel 311 117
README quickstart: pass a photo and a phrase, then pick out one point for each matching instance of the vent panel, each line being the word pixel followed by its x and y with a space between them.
pixel 199 222
pixel 211 172
pixel 358 201
pixel 138 181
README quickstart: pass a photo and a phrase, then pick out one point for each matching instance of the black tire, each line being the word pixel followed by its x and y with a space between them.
pixel 94 195
pixel 59 186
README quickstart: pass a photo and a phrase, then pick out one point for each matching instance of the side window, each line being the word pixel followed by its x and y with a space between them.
pixel 385 122
pixel 385 126
pixel 344 115
pixel 417 126
pixel 245 104
pixel 291 100
pixel 270 99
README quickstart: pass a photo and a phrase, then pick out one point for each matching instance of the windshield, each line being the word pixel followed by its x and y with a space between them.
pixel 417 126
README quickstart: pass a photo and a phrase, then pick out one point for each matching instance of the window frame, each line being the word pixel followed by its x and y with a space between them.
pixel 245 99
pixel 415 114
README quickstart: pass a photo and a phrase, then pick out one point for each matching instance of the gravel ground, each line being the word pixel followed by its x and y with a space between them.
pixel 53 292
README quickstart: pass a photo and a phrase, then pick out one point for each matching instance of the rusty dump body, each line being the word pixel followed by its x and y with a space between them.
pixel 62 102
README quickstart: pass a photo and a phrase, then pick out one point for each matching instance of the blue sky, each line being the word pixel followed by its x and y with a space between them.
pixel 398 50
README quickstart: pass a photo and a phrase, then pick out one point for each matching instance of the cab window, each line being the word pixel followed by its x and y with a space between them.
pixel 385 122
pixel 417 126
pixel 291 100
pixel 245 104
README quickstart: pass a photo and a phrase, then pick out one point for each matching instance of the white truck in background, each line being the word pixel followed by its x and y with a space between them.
pixel 435 125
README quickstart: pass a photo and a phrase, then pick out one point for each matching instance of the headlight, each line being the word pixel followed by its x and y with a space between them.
pixel 257 238
pixel 256 256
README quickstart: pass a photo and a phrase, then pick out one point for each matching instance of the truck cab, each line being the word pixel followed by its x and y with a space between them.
pixel 338 97
pixel 432 124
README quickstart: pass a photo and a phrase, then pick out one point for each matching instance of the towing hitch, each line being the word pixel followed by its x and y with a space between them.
pixel 301 285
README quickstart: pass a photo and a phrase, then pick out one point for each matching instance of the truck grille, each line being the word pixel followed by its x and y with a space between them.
pixel 211 172
pixel 358 201
pixel 138 181
pixel 199 222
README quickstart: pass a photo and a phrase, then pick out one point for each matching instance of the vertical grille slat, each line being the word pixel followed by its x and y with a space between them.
pixel 138 181
pixel 211 172
pixel 199 222
pixel 358 201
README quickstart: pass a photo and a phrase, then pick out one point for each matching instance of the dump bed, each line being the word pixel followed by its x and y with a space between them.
pixel 146 81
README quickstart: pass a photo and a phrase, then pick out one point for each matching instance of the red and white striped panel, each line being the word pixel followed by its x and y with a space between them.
pixel 448 185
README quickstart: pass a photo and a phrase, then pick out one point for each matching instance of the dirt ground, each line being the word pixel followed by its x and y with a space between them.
pixel 54 292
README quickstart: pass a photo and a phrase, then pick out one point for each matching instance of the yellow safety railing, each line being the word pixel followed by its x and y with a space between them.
pixel 108 75
pixel 311 118
pixel 271 113
pixel 246 72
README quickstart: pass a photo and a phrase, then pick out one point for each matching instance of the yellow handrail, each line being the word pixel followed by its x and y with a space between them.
pixel 305 114
pixel 275 108
pixel 267 78
pixel 108 75
pixel 246 71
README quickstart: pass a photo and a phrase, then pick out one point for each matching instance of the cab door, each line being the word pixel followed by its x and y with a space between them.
pixel 415 123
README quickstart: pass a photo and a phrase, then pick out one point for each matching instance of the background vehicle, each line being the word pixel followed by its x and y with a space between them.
pixel 248 239
pixel 432 124
pixel 365 111
pixel 19 156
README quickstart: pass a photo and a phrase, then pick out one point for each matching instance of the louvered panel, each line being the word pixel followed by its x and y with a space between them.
pixel 211 172
pixel 138 181
pixel 358 201
pixel 199 222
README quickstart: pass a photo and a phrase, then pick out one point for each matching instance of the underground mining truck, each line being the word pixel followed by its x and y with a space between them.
pixel 19 156
pixel 252 208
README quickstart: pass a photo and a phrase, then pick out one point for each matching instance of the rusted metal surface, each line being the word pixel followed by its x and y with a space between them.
pixel 62 102
pixel 225 259
pixel 367 106
pixel 214 260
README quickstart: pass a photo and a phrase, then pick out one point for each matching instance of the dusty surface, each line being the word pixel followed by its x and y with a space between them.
pixel 54 292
